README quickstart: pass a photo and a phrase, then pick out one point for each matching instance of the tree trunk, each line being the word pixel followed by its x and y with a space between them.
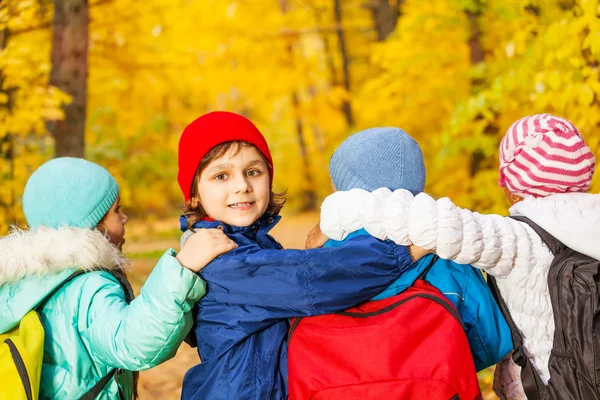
pixel 476 50
pixel 477 56
pixel 346 105
pixel 307 192
pixel 7 142
pixel 385 16
pixel 308 195
pixel 69 72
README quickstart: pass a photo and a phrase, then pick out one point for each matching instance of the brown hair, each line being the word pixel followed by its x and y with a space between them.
pixel 193 207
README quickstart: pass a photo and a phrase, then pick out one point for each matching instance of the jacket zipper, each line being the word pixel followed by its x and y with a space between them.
pixel 21 368
pixel 436 299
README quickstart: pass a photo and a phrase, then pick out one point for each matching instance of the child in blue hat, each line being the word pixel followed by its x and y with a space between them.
pixel 390 158
pixel 95 333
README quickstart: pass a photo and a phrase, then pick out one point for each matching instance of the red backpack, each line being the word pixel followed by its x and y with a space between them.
pixel 409 346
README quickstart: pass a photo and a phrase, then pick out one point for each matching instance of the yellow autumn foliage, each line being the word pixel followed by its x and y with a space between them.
pixel 156 65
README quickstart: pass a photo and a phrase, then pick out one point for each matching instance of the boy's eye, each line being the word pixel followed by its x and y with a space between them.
pixel 220 177
pixel 253 172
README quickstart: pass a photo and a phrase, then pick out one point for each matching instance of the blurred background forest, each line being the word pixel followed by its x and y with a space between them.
pixel 116 81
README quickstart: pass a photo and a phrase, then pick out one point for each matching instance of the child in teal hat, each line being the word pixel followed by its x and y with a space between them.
pixel 96 335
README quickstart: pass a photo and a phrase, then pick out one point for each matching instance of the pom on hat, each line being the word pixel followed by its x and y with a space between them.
pixel 68 192
pixel 378 157
pixel 544 154
pixel 208 131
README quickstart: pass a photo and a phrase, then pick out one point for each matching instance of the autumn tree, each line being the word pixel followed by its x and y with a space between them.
pixel 70 24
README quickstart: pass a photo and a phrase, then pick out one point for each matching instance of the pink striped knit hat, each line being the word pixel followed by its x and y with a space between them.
pixel 543 154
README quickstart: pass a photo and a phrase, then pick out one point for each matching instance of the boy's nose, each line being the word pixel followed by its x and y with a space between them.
pixel 242 185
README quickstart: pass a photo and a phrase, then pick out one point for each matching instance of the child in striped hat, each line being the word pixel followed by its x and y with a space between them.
pixel 543 155
pixel 545 169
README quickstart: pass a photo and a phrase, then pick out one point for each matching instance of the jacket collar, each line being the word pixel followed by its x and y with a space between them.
pixel 259 228
pixel 44 251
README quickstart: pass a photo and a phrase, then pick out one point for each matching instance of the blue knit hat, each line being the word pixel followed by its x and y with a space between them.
pixel 69 192
pixel 378 157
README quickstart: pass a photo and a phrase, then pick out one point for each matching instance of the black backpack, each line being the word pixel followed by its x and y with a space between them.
pixel 574 286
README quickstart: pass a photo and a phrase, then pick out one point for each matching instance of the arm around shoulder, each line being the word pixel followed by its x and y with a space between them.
pixel 294 283
pixel 490 242
pixel 147 331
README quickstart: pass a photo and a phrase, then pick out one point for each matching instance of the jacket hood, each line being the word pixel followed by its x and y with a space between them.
pixel 34 262
pixel 572 218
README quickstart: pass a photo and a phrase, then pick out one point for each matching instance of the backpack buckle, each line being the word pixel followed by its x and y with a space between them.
pixel 519 356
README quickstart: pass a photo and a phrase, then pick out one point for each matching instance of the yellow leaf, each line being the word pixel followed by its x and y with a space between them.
pixel 554 80
pixel 595 45
pixel 586 95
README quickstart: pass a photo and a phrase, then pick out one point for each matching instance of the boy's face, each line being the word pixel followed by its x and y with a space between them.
pixel 234 188
pixel 113 224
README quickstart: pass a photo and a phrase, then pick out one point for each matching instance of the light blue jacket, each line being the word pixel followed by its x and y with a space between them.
pixel 89 327
pixel 487 331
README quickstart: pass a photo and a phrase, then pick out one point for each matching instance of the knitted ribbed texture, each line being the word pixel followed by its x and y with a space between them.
pixel 208 131
pixel 378 157
pixel 69 192
pixel 544 154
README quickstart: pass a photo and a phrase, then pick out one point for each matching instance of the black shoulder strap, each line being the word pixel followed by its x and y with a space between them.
pixel 99 386
pixel 120 276
pixel 555 245
pixel 530 378
pixel 53 291
pixel 434 259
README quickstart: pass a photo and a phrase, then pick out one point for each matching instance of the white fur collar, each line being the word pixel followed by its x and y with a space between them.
pixel 40 251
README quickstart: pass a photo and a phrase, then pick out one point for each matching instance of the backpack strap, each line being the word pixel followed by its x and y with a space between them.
pixel 117 274
pixel 99 386
pixel 57 288
pixel 530 378
pixel 426 270
pixel 555 245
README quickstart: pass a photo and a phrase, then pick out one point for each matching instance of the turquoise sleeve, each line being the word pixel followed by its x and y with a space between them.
pixel 149 330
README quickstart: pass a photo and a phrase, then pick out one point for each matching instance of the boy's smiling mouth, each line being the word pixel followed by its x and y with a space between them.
pixel 241 206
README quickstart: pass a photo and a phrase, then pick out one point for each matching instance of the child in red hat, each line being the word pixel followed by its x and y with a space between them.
pixel 226 175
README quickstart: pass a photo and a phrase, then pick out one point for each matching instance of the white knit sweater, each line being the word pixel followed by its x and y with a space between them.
pixel 503 247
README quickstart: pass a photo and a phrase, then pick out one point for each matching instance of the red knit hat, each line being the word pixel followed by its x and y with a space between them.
pixel 208 131
pixel 544 154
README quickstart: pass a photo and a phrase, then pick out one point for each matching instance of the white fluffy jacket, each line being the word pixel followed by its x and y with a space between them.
pixel 501 246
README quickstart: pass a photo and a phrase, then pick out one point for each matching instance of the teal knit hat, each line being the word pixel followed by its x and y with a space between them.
pixel 69 192
pixel 376 158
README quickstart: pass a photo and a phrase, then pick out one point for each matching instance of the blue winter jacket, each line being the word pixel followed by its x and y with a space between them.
pixel 242 322
pixel 487 331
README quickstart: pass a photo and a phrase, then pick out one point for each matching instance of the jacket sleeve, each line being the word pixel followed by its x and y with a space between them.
pixel 487 331
pixel 493 243
pixel 149 330
pixel 294 283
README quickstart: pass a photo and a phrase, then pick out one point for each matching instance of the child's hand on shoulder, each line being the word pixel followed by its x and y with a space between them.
pixel 316 238
pixel 203 247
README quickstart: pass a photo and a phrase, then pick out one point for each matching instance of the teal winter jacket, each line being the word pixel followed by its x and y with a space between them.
pixel 89 326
